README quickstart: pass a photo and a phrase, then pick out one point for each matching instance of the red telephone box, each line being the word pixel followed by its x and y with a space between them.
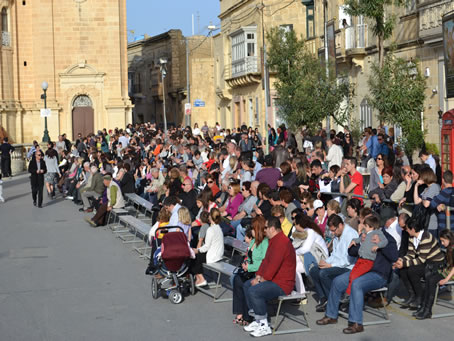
pixel 447 141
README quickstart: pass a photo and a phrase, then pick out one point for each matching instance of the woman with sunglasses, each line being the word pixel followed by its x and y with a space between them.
pixel 347 145
pixel 376 178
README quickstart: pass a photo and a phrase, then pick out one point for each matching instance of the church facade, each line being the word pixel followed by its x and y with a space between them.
pixel 79 47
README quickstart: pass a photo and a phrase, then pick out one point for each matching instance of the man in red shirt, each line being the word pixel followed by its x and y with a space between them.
pixel 356 178
pixel 274 278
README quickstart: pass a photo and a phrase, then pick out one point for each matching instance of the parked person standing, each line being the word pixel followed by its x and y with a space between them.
pixel 37 169
pixel 6 149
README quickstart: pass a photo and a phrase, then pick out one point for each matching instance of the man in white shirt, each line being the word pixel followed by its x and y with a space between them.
pixel 124 140
pixel 428 160
pixel 172 203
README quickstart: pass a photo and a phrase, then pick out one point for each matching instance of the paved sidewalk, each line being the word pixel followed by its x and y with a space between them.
pixel 63 280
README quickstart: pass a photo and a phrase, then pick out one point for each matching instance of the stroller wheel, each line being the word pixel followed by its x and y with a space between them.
pixel 175 297
pixel 192 284
pixel 154 287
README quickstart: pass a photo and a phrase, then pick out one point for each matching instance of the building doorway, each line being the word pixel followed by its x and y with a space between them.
pixel 83 116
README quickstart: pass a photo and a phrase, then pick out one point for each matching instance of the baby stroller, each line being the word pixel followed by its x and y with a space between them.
pixel 172 265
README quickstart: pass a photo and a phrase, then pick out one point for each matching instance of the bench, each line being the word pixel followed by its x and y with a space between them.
pixel 220 268
pixel 444 303
pixel 114 214
pixel 383 315
pixel 301 321
pixel 137 226
pixel 236 245
pixel 141 203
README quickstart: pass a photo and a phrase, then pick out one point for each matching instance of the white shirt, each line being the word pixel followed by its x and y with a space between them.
pixel 335 155
pixel 124 141
pixel 431 162
pixel 396 232
pixel 174 217
pixel 417 240
pixel 312 237
pixel 214 244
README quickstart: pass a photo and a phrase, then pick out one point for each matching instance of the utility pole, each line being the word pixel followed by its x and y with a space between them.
pixel 325 10
pixel 266 81
pixel 188 85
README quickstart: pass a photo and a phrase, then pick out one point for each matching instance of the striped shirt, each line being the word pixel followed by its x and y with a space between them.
pixel 445 197
pixel 428 251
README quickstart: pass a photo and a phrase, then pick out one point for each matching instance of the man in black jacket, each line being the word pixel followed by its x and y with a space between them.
pixel 37 169
pixel 189 197
pixel 5 159
pixel 376 278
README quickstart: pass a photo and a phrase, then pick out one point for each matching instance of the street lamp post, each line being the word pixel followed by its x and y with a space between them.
pixel 163 62
pixel 44 86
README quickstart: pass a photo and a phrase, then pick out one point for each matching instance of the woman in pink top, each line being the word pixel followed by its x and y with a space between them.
pixel 235 199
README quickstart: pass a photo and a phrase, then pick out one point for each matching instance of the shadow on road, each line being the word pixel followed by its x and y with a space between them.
pixel 17 196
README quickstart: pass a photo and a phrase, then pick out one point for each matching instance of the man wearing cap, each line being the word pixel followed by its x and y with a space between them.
pixel 268 174
pixel 114 200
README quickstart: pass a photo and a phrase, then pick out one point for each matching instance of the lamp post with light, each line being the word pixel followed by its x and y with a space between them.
pixel 44 86
pixel 163 63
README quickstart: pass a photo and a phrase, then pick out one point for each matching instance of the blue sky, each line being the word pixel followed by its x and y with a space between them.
pixel 154 17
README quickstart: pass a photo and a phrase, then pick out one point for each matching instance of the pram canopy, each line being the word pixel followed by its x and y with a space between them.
pixel 175 250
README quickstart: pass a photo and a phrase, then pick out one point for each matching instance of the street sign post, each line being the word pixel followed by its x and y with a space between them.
pixel 46 112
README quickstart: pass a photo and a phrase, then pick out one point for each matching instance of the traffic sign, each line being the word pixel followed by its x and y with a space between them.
pixel 187 109
pixel 199 103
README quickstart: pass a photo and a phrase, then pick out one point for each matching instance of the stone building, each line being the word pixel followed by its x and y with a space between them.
pixel 79 48
pixel 146 86
pixel 238 54
pixel 417 36
pixel 238 57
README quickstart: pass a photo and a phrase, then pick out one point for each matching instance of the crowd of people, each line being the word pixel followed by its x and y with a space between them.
pixel 319 211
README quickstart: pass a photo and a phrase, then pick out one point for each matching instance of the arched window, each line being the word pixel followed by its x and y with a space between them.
pixel 82 101
pixel 4 19
pixel 365 114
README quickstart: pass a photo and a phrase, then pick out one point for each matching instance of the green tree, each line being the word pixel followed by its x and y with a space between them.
pixel 376 11
pixel 397 91
pixel 305 93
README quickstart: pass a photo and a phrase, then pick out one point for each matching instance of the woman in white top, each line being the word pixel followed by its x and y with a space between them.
pixel 314 244
pixel 213 249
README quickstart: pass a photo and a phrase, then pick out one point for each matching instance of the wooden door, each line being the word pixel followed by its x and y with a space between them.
pixel 83 121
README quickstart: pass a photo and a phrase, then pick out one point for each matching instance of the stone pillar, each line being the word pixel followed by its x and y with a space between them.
pixel 18 159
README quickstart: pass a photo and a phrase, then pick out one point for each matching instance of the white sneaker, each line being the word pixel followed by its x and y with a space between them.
pixel 262 331
pixel 251 326
pixel 69 197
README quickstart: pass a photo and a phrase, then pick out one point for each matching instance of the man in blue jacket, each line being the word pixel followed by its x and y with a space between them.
pixel 374 279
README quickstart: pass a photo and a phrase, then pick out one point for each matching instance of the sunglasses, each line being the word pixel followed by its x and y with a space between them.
pixel 379 158
pixel 210 182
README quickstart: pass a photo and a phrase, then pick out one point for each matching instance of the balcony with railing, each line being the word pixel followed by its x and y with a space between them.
pixel 6 38
pixel 430 16
pixel 356 37
pixel 243 72
pixel 244 66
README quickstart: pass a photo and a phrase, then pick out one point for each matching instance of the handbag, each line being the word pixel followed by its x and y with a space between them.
pixel 244 275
